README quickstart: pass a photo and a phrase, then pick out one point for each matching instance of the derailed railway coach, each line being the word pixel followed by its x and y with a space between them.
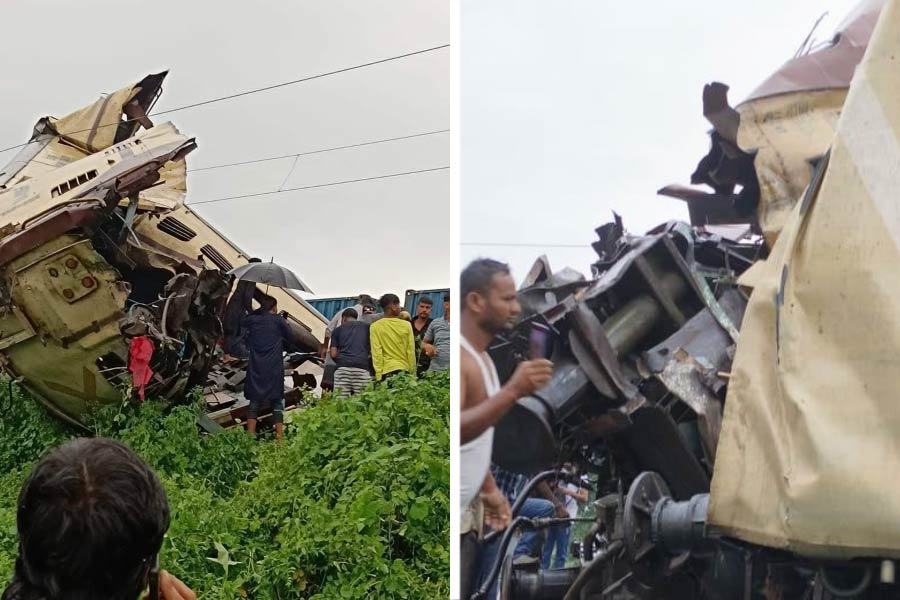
pixel 108 278
pixel 729 386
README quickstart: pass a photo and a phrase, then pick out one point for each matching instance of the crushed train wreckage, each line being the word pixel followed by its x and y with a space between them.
pixel 734 394
pixel 108 278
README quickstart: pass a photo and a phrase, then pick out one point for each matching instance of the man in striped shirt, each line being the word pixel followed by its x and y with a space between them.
pixel 350 351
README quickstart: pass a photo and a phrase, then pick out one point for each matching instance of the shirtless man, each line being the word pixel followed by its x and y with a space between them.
pixel 489 307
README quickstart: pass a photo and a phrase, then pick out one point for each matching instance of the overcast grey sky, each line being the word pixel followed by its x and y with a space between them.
pixel 572 109
pixel 374 237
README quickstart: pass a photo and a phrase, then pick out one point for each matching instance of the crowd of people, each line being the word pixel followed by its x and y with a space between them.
pixel 490 307
pixel 92 515
pixel 72 483
pixel 362 345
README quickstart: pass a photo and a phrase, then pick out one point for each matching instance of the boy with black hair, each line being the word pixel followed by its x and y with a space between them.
pixel 90 521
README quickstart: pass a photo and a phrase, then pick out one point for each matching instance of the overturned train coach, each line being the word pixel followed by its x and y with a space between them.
pixel 732 396
pixel 98 250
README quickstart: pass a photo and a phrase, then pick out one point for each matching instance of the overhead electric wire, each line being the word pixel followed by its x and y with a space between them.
pixel 253 91
pixel 318 185
pixel 524 245
pixel 259 160
pixel 311 77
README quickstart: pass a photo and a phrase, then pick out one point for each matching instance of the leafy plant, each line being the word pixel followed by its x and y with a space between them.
pixel 354 504
pixel 27 430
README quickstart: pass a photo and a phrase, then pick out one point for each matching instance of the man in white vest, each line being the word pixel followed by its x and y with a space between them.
pixel 489 306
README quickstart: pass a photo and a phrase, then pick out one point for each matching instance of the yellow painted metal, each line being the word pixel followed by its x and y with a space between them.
pixel 786 132
pixel 809 443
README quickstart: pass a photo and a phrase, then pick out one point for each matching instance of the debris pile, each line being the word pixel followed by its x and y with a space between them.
pixel 688 371
pixel 107 279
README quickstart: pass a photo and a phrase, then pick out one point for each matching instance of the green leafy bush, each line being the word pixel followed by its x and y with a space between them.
pixel 27 430
pixel 354 504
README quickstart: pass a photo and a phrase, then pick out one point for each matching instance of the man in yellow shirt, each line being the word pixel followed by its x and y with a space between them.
pixel 392 342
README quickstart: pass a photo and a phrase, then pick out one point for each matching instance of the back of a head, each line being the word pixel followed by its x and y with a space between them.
pixel 91 518
pixel 267 305
pixel 388 300
pixel 350 313
pixel 478 276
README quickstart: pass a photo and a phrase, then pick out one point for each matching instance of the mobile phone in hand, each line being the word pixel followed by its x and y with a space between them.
pixel 538 341
pixel 154 580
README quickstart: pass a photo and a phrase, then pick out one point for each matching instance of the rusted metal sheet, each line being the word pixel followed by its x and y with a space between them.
pixel 829 67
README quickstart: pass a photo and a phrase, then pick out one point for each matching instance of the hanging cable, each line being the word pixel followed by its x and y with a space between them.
pixel 524 245
pixel 318 185
pixel 321 151
pixel 249 92
pixel 291 172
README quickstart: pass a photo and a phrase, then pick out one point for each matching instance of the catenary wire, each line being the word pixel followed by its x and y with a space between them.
pixel 320 151
pixel 295 81
pixel 253 91
pixel 318 185
pixel 524 245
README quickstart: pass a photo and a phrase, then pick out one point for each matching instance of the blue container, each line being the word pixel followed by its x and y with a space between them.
pixel 332 306
pixel 437 300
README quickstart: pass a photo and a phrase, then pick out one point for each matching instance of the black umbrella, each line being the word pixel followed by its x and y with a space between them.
pixel 270 274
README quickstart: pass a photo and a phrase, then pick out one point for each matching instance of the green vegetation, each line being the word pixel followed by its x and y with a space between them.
pixel 354 504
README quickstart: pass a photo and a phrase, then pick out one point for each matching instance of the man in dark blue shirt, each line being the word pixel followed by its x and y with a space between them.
pixel 511 485
pixel 350 351
pixel 266 331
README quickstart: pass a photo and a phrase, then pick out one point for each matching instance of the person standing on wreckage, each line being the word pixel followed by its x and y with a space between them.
pixel 266 331
pixel 490 306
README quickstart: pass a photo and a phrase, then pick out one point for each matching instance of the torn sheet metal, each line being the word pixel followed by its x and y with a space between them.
pixel 788 134
pixel 58 142
pixel 763 151
pixel 707 208
pixel 647 290
pixel 691 363
pixel 100 125
pixel 129 162
pixel 187 236
pixel 811 419
pixel 830 67
pixel 789 121
pixel 759 169
pixel 97 248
